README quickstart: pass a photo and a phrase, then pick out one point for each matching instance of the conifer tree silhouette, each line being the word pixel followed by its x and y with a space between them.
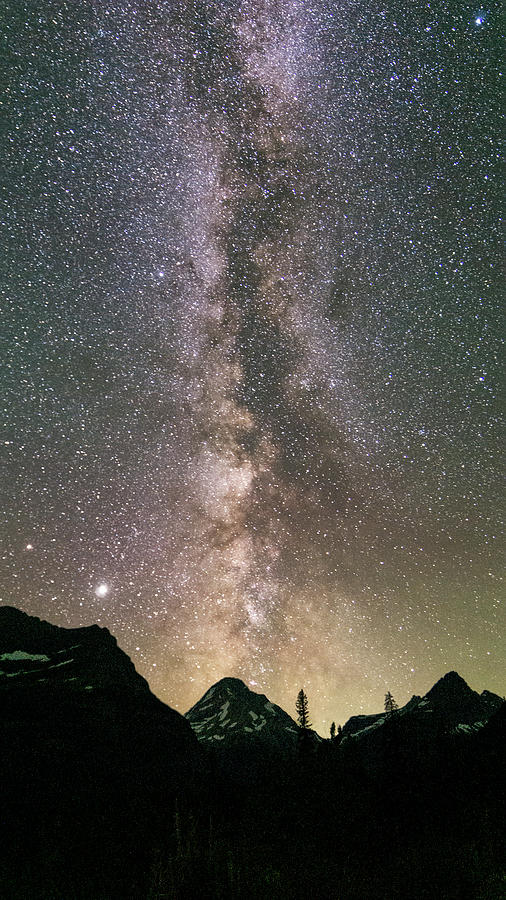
pixel 302 708
pixel 390 704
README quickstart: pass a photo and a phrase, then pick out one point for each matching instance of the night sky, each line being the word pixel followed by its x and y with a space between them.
pixel 251 307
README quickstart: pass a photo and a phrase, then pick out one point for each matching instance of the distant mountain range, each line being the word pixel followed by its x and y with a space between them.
pixel 42 664
pixel 241 726
pixel 229 709
pixel 98 775
pixel 450 704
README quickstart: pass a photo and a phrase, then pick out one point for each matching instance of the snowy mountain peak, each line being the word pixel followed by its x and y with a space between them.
pixel 229 712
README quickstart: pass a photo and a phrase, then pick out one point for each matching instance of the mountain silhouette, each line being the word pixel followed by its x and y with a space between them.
pixel 108 793
pixel 88 755
pixel 229 709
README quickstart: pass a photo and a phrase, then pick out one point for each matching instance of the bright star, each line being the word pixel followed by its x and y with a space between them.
pixel 479 20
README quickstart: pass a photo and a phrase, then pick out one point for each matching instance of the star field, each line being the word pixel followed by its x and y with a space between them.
pixel 252 341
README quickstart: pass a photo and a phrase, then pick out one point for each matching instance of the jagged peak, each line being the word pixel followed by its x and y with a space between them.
pixel 453 676
pixel 227 684
pixel 451 681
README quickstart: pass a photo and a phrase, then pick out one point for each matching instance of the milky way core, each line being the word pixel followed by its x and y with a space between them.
pixel 253 339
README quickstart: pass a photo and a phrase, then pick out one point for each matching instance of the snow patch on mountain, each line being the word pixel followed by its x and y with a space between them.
pixel 369 728
pixel 224 710
pixel 462 728
pixel 21 654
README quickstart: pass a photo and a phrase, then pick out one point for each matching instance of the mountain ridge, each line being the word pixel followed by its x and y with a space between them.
pixel 54 675
pixel 88 658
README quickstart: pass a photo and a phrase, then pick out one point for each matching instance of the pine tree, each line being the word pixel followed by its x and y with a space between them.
pixel 390 704
pixel 332 731
pixel 302 709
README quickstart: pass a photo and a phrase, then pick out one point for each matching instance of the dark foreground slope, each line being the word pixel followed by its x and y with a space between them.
pixel 91 763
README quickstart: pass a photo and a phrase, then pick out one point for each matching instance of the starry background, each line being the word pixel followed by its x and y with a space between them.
pixel 251 340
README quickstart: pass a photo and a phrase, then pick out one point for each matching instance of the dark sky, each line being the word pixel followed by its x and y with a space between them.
pixel 251 340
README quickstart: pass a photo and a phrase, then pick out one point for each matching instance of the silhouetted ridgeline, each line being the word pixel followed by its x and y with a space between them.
pixel 109 793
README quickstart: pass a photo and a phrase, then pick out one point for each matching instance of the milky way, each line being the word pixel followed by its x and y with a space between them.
pixel 252 296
